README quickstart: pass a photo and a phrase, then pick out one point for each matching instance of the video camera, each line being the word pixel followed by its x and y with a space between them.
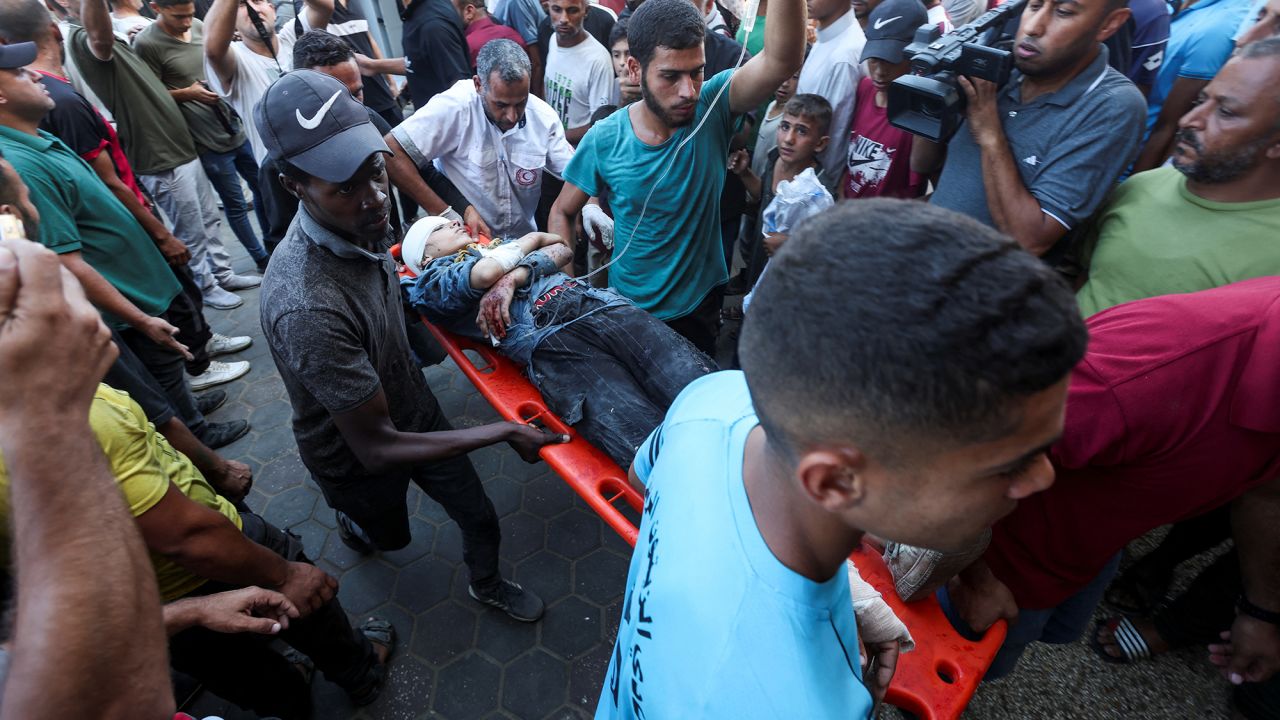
pixel 929 102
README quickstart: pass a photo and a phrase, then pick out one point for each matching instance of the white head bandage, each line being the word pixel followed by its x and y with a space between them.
pixel 415 241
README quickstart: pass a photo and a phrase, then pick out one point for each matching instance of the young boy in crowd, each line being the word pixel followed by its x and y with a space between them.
pixel 879 159
pixel 625 91
pixel 803 133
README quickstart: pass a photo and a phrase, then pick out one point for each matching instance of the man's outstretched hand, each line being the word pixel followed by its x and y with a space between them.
pixel 50 336
pixel 528 440
pixel 247 610
pixel 1250 651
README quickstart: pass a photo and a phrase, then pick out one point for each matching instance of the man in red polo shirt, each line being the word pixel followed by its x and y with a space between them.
pixel 481 28
pixel 1172 413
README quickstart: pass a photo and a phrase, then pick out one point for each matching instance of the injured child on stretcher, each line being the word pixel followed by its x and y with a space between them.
pixel 603 365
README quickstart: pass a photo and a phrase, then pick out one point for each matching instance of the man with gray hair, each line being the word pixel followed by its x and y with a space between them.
pixel 490 136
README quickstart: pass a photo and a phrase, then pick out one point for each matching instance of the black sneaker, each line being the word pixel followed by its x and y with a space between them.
pixel 211 401
pixel 352 535
pixel 512 599
pixel 218 435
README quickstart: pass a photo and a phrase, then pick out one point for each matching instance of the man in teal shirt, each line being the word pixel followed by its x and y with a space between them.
pixel 661 162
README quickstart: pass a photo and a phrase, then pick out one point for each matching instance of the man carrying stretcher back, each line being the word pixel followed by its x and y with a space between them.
pixel 602 364
pixel 904 369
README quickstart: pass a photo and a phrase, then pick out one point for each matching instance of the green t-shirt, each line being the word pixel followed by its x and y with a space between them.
pixel 150 125
pixel 676 257
pixel 78 212
pixel 1154 237
pixel 179 64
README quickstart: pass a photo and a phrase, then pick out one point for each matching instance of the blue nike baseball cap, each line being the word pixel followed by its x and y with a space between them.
pixel 311 120
pixel 890 29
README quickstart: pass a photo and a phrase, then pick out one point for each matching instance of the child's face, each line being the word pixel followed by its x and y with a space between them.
pixel 883 73
pixel 621 51
pixel 799 138
pixel 788 89
pixel 445 240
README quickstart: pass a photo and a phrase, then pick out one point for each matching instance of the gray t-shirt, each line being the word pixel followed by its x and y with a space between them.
pixel 332 316
pixel 1070 146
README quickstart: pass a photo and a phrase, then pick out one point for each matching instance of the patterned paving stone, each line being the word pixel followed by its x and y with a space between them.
pixel 468 688
pixel 535 685
pixel 571 627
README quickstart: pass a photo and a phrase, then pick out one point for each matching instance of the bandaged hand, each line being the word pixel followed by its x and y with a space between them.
pixel 597 223
pixel 877 622
pixel 508 255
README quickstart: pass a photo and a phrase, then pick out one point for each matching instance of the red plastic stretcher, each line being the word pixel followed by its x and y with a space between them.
pixel 934 681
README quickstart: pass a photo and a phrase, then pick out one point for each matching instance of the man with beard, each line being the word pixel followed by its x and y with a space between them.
pixel 668 256
pixel 1211 219
pixel 1036 157
pixel 493 139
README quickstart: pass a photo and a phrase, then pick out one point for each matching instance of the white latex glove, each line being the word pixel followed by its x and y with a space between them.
pixel 876 620
pixel 595 220
pixel 452 215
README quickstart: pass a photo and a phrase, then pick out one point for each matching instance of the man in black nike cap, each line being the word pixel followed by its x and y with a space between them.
pixel 365 421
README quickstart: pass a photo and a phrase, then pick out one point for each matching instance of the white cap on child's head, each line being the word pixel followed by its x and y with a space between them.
pixel 415 241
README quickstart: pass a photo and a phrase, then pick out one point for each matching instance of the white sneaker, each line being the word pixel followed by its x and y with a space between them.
pixel 219 299
pixel 218 373
pixel 223 345
pixel 241 282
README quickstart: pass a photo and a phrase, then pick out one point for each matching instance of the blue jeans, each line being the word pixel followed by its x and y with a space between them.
pixel 224 171
pixel 1059 625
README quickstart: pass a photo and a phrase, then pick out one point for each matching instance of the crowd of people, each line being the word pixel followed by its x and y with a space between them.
pixel 1004 354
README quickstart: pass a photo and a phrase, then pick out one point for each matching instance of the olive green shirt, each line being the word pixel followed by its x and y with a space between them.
pixel 179 64
pixel 79 213
pixel 150 125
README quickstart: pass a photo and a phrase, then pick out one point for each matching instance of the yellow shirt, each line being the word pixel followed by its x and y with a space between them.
pixel 144 464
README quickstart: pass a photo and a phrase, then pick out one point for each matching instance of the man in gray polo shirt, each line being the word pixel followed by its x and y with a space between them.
pixel 1037 156
pixel 365 421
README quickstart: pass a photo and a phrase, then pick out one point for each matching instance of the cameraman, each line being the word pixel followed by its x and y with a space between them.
pixel 1038 155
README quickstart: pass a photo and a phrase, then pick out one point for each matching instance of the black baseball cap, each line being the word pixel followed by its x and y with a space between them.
pixel 311 120
pixel 17 55
pixel 891 28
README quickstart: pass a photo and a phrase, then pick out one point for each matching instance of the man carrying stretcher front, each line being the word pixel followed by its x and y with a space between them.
pixel 603 365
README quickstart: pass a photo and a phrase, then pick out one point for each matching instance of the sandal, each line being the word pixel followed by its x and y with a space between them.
pixel 1133 647
pixel 380 632
pixel 304 665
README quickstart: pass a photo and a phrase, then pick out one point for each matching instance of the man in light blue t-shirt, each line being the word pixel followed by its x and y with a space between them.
pixel 921 419
pixel 1201 38
pixel 643 159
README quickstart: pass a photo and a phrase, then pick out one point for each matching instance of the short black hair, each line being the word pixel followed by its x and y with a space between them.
pixel 905 328
pixel 619 32
pixel 171 3
pixel 814 107
pixel 23 21
pixel 602 112
pixel 317 48
pixel 673 24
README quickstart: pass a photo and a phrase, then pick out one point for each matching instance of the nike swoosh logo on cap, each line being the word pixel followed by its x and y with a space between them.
pixel 313 122
pixel 885 21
